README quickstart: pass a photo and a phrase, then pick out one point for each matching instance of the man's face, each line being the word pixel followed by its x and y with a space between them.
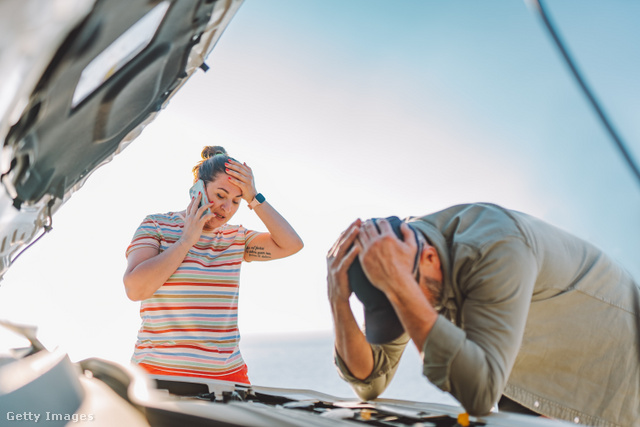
pixel 429 273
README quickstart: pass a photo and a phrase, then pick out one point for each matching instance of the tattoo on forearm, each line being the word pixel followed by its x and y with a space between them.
pixel 258 252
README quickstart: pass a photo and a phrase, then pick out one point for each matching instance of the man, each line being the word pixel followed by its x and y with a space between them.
pixel 501 306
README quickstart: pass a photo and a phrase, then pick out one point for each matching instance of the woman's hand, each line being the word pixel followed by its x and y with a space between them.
pixel 241 176
pixel 339 259
pixel 194 221
pixel 148 268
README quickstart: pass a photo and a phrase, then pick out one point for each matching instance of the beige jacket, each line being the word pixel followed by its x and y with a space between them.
pixel 528 311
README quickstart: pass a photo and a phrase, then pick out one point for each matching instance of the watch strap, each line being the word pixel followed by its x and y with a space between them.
pixel 259 198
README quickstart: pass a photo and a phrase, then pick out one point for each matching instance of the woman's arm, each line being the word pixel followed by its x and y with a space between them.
pixel 148 269
pixel 281 240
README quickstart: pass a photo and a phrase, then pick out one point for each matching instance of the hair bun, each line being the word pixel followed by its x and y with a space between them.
pixel 212 150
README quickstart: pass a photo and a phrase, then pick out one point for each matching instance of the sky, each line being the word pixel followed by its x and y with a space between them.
pixel 354 109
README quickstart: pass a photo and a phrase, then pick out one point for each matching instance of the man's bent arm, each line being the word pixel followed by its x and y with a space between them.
pixel 351 344
pixel 414 310
pixel 386 358
pixel 474 363
pixel 368 369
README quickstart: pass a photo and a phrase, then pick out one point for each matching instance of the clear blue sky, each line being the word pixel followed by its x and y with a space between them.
pixel 349 109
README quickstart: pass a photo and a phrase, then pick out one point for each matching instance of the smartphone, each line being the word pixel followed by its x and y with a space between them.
pixel 198 187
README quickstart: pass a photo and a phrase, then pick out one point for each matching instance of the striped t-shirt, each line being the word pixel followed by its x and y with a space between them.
pixel 190 324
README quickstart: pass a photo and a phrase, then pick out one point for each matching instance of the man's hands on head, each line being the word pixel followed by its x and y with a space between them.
pixel 383 256
pixel 387 262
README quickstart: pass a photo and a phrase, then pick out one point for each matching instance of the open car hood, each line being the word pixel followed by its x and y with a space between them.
pixel 79 80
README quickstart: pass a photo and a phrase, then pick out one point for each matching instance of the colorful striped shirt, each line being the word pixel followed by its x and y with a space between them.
pixel 190 324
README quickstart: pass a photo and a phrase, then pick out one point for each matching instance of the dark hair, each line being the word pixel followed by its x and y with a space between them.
pixel 212 163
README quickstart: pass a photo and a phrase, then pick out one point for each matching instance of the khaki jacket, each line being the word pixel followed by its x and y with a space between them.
pixel 528 311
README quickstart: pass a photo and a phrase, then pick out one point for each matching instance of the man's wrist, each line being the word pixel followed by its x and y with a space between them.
pixel 338 302
pixel 404 287
pixel 340 308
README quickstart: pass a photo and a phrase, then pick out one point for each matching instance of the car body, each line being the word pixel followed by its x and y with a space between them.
pixel 47 386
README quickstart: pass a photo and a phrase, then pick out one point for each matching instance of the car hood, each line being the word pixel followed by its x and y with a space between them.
pixel 108 394
pixel 79 80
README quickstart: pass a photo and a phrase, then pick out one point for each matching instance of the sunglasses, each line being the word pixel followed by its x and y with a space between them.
pixel 416 266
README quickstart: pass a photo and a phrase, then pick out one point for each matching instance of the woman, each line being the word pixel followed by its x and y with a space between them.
pixel 185 268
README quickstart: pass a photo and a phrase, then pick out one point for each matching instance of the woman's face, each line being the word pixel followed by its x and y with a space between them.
pixel 226 199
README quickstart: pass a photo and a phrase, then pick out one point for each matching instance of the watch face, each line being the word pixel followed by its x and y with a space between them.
pixel 260 198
